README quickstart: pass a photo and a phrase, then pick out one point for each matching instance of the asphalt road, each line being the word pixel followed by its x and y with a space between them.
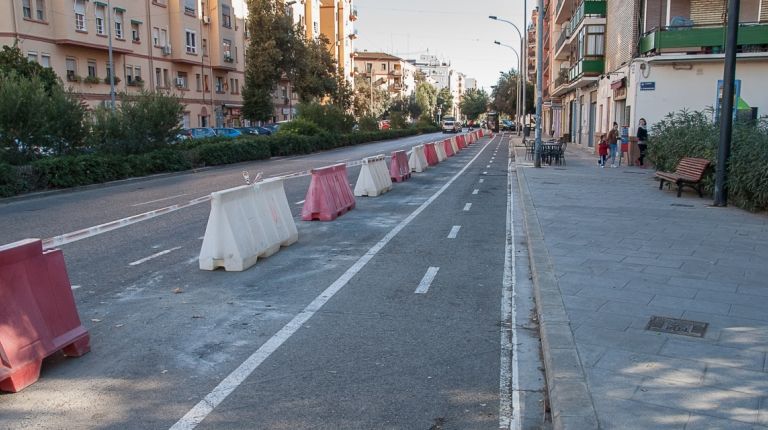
pixel 375 355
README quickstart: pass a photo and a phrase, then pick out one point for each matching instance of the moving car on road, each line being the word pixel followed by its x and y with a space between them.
pixel 450 125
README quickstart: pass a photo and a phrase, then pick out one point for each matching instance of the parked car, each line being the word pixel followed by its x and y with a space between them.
pixel 384 124
pixel 227 132
pixel 271 127
pixel 264 131
pixel 198 133
pixel 508 125
pixel 251 131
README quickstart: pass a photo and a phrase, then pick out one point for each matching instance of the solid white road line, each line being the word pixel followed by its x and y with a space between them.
pixel 481 180
pixel 204 407
pixel 454 232
pixel 158 200
pixel 426 281
pixel 475 191
pixel 467 207
pixel 300 203
pixel 509 380
pixel 74 287
pixel 153 256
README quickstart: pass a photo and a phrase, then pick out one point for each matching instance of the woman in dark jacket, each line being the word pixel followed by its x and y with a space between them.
pixel 642 140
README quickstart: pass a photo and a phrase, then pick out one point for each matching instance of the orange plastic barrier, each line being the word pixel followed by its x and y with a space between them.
pixel 329 195
pixel 399 170
pixel 431 153
pixel 38 316
pixel 448 147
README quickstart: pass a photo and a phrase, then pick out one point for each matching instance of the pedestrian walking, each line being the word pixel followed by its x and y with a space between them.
pixel 642 141
pixel 602 151
pixel 613 142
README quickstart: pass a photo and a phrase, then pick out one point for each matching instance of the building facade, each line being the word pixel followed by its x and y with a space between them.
pixel 192 48
pixel 387 72
pixel 337 18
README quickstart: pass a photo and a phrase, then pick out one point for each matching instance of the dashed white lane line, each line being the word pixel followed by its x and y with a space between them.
pixel 485 173
pixel 153 256
pixel 488 166
pixel 475 191
pixel 204 407
pixel 467 207
pixel 300 203
pixel 454 232
pixel 426 281
pixel 74 287
pixel 158 200
pixel 481 180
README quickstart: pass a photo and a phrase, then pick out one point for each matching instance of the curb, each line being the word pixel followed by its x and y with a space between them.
pixel 570 401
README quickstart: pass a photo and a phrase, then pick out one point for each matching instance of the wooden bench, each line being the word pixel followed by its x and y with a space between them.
pixel 689 173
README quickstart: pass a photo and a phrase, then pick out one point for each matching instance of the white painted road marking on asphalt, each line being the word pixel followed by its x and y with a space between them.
pixel 482 180
pixel 153 256
pixel 158 200
pixel 74 287
pixel 426 281
pixel 467 206
pixel 485 173
pixel 488 166
pixel 454 232
pixel 509 384
pixel 204 407
pixel 300 203
pixel 475 191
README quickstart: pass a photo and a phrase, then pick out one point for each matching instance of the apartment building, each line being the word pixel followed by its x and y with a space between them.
pixel 307 14
pixel 386 71
pixel 622 61
pixel 192 48
pixel 337 19
pixel 444 76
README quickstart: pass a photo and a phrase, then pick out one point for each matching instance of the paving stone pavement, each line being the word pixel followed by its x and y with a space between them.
pixel 622 251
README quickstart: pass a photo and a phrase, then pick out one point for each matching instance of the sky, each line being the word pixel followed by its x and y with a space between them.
pixel 457 31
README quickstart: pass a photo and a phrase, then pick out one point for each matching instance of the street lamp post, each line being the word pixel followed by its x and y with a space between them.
pixel 111 60
pixel 539 91
pixel 522 50
pixel 517 81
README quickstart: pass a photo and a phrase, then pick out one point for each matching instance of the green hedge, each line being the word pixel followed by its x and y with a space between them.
pixel 72 171
pixel 693 134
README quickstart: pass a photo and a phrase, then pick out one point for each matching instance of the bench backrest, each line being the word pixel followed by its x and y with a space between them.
pixel 692 167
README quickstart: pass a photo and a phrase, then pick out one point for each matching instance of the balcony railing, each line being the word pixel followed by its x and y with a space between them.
pixel 587 8
pixel 590 66
pixel 564 35
pixel 704 39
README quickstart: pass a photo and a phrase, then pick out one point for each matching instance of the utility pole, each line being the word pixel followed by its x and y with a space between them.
pixel 726 111
pixel 111 61
pixel 539 73
pixel 524 60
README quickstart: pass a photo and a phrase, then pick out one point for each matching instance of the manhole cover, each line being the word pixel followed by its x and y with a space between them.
pixel 681 205
pixel 677 326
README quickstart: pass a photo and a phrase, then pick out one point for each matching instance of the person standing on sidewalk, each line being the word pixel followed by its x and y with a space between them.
pixel 602 150
pixel 642 141
pixel 613 142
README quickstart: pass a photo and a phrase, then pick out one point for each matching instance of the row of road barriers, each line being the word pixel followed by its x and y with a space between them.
pixel 38 315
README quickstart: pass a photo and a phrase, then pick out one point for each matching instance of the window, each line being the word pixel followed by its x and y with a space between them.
pixel 198 82
pixel 181 80
pixel 91 68
pixel 109 70
pixel 368 67
pixel 137 73
pixel 40 11
pixel 80 15
pixel 129 74
pixel 204 43
pixel 284 92
pixel 100 29
pixel 155 36
pixel 237 86
pixel 227 45
pixel 226 18
pixel 592 41
pixel 27 9
pixel 205 84
pixel 32 56
pixel 45 60
pixel 185 120
pixel 219 84
pixel 135 32
pixel 163 37
pixel 166 79
pixel 159 77
pixel 118 24
pixel 191 42
pixel 232 86
pixel 71 69
pixel 189 7
pixel 383 67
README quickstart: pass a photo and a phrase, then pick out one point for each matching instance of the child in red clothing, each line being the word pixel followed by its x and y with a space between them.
pixel 602 151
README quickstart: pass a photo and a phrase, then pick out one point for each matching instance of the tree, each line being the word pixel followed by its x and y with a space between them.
pixel 474 103
pixel 504 95
pixel 444 101
pixel 12 60
pixel 312 69
pixel 426 98
pixel 343 95
pixel 363 96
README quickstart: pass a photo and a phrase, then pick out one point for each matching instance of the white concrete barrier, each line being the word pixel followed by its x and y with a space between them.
pixel 374 177
pixel 418 161
pixel 440 148
pixel 247 223
pixel 454 145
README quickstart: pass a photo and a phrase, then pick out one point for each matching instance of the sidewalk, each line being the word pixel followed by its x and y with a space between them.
pixel 609 251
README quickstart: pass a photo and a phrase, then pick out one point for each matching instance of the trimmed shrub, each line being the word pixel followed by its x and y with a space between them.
pixel 10 181
pixel 233 151
pixel 299 126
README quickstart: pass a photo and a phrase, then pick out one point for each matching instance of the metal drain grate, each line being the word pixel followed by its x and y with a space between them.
pixel 677 326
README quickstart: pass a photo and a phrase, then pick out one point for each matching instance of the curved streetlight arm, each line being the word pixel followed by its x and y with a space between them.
pixel 496 18
pixel 510 47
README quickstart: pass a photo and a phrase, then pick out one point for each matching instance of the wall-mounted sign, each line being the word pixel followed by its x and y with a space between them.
pixel 647 86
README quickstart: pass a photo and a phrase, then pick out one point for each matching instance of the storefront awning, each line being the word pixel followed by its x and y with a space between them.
pixel 618 84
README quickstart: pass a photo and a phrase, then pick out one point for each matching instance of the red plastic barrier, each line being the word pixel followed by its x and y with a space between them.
pixel 38 316
pixel 399 170
pixel 460 141
pixel 448 148
pixel 481 133
pixel 329 195
pixel 431 153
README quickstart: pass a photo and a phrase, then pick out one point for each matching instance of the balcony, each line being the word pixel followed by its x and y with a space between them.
pixel 586 67
pixel 702 39
pixel 395 88
pixel 353 14
pixel 396 72
pixel 587 9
